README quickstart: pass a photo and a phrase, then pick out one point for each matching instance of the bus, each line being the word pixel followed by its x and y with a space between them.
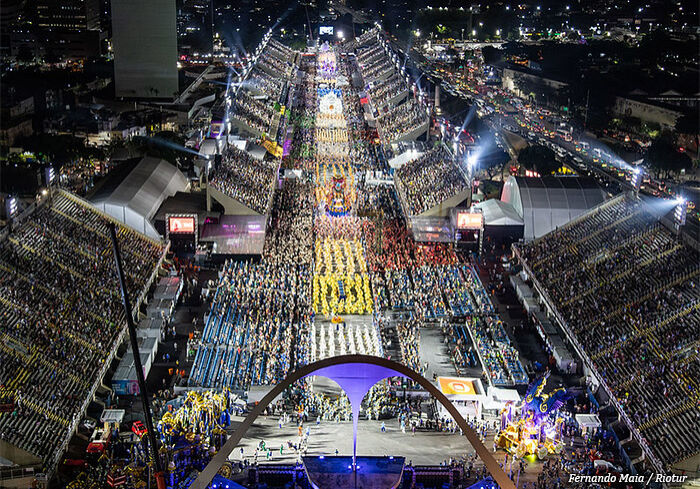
pixel 564 134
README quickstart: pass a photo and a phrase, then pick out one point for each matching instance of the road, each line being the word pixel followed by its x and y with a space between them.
pixel 538 126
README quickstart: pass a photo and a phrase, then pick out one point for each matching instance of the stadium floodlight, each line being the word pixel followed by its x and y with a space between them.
pixel 681 211
pixel 637 178
pixel 472 159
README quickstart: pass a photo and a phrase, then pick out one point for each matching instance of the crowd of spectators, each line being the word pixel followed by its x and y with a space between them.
pixel 60 316
pixel 290 237
pixel 382 92
pixel 254 331
pixel 385 81
pixel 274 65
pixel 245 178
pixel 428 180
pixel 264 83
pixel 628 290
pixel 402 119
pixel 254 112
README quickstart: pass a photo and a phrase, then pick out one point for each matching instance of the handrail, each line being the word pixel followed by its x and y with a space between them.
pixel 658 466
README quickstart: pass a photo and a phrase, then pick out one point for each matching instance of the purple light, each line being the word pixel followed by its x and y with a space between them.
pixel 356 379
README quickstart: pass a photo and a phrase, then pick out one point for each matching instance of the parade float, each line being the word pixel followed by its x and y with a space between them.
pixel 534 427
pixel 190 435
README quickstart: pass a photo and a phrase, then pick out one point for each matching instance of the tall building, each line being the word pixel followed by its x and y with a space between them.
pixel 144 42
pixel 68 14
pixel 56 29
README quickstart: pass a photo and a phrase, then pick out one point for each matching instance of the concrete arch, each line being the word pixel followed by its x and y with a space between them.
pixel 220 458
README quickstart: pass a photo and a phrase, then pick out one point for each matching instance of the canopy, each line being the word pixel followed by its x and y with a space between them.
pixel 547 203
pixel 135 190
pixel 588 420
pixel 499 213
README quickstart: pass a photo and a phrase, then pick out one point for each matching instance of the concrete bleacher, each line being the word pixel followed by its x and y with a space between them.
pixel 623 288
pixel 61 318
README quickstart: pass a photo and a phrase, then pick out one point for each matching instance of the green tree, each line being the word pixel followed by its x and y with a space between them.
pixel 688 124
pixel 538 158
pixel 494 161
pixel 663 158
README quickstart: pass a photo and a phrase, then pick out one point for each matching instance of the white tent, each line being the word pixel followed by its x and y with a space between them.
pixel 134 191
pixel 499 213
pixel 546 203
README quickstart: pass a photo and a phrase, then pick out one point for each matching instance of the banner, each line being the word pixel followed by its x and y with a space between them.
pixel 456 386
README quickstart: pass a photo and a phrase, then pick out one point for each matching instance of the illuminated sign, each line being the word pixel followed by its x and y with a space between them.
pixel 456 387
pixel 325 30
pixel 470 220
pixel 181 225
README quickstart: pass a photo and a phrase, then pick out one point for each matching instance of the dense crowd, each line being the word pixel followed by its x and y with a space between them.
pixel 255 327
pixel 382 92
pixel 290 238
pixel 245 178
pixel 429 180
pixel 264 83
pixel 60 316
pixel 401 120
pixel 385 82
pixel 628 290
pixel 256 113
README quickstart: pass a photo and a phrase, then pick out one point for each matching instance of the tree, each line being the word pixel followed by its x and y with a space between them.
pixel 491 55
pixel 663 158
pixel 493 161
pixel 538 158
pixel 688 124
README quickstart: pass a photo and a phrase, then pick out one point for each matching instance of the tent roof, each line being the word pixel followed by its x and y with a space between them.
pixel 499 213
pixel 546 203
pixel 141 185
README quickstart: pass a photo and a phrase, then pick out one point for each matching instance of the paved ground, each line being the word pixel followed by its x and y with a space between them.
pixel 425 448
pixel 434 353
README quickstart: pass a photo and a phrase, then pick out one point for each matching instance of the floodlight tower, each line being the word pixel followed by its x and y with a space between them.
pixel 637 177
pixel 680 213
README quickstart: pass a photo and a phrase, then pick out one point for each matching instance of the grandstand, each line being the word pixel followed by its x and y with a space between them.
pixel 399 116
pixel 431 184
pixel 239 347
pixel 61 320
pixel 624 288
pixel 244 184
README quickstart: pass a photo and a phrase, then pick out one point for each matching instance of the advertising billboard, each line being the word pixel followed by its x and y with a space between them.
pixel 181 225
pixel 470 220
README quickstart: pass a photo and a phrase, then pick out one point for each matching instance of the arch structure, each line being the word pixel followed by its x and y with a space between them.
pixel 355 374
